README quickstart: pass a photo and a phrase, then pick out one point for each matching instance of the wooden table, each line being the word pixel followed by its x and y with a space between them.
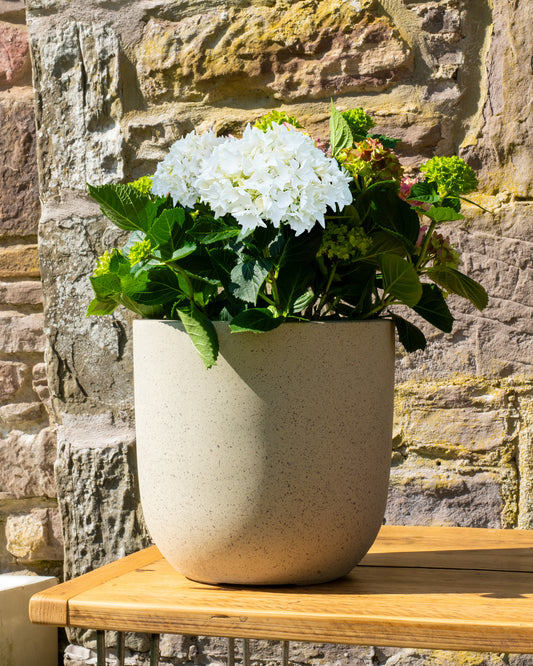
pixel 434 587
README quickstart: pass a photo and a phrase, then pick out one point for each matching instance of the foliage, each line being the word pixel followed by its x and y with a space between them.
pixel 267 229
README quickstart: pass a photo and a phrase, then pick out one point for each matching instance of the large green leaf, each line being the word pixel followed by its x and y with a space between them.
pixel 155 286
pixel 258 320
pixel 340 134
pixel 409 335
pixel 433 308
pixel 391 212
pixel 202 333
pixel 125 206
pixel 400 279
pixel 247 278
pixel 101 307
pixel 165 226
pixel 293 280
pixel 443 214
pixel 455 282
pixel 106 286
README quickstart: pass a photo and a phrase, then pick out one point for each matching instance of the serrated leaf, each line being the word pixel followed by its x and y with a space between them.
pixel 247 278
pixel 339 131
pixel 400 279
pixel 202 333
pixel 443 214
pixel 409 335
pixel 105 286
pixel 303 301
pixel 455 282
pixel 257 320
pixel 101 307
pixel 386 141
pixel 433 308
pixel 155 286
pixel 391 212
pixel 125 206
pixel 165 226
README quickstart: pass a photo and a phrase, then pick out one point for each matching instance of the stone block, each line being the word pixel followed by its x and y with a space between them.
pixel 77 73
pixel 21 293
pixel 19 198
pixel 21 333
pixel 435 495
pixel 9 8
pixel 35 535
pixel 27 463
pixel 12 377
pixel 20 414
pixel 304 50
pixel 19 261
pixel 14 53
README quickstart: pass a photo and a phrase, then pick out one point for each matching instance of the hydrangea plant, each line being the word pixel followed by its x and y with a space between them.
pixel 268 228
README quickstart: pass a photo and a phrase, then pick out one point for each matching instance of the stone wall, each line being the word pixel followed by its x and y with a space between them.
pixel 30 530
pixel 117 82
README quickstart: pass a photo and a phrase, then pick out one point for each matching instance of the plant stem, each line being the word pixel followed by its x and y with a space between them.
pixel 425 244
pixel 328 285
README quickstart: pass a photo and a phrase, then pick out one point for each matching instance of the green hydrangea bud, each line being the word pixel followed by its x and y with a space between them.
pixel 358 121
pixel 102 264
pixel 343 242
pixel 140 251
pixel 143 185
pixel 265 122
pixel 452 175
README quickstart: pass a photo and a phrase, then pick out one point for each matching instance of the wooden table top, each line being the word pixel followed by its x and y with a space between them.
pixel 434 587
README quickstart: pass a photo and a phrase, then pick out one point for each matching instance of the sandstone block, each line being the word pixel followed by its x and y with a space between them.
pixel 35 535
pixel 12 377
pixel 9 8
pixel 21 293
pixel 27 463
pixel 14 52
pixel 432 495
pixel 20 414
pixel 77 76
pixel 21 333
pixel 304 50
pixel 19 261
pixel 19 198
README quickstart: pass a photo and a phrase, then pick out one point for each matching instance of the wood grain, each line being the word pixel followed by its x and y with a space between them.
pixel 450 588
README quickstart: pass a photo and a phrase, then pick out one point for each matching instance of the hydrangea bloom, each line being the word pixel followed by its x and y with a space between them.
pixel 177 173
pixel 277 175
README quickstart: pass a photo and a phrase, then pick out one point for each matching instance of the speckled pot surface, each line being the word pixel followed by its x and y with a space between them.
pixel 272 467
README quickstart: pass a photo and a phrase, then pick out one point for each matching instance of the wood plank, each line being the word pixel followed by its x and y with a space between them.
pixel 446 609
pixel 460 547
pixel 52 607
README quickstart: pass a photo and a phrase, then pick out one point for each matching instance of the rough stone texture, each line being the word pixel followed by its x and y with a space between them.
pixel 27 462
pixel 12 377
pixel 14 53
pixel 289 51
pixel 21 333
pixel 35 536
pixel 21 293
pixel 77 87
pixel 19 199
pixel 19 261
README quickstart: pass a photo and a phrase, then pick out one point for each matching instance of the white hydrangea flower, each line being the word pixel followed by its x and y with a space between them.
pixel 278 175
pixel 177 173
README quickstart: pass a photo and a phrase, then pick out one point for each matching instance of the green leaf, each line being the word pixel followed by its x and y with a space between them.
pixel 386 141
pixel 202 333
pixel 443 214
pixel 292 281
pixel 433 308
pixel 105 286
pixel 303 301
pixel 455 282
pixel 391 212
pixel 400 279
pixel 247 278
pixel 409 335
pixel 339 130
pixel 155 286
pixel 101 307
pixel 425 192
pixel 258 320
pixel 125 206
pixel 165 226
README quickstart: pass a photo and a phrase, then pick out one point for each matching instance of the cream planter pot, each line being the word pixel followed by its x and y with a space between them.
pixel 272 467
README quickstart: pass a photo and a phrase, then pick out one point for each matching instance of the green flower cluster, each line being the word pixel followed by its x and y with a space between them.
pixel 265 122
pixel 143 185
pixel 140 251
pixel 343 242
pixel 371 160
pixel 451 175
pixel 358 121
pixel 102 264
